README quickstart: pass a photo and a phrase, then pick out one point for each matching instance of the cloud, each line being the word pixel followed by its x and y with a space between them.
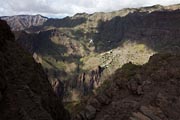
pixel 60 8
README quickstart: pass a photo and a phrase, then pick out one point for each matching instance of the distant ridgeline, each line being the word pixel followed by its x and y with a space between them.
pixel 22 22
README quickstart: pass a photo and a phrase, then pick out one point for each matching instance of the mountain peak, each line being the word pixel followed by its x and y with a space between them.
pixel 22 22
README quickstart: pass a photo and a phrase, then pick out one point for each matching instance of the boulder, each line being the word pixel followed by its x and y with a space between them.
pixel 90 112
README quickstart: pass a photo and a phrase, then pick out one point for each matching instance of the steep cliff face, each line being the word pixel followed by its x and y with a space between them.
pixel 158 30
pixel 148 92
pixel 22 22
pixel 25 92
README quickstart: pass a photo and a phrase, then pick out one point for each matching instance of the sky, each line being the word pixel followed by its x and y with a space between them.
pixel 62 8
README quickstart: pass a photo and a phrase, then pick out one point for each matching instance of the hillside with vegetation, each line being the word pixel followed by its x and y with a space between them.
pixel 78 53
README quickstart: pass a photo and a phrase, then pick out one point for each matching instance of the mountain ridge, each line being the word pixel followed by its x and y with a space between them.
pixel 115 13
pixel 21 22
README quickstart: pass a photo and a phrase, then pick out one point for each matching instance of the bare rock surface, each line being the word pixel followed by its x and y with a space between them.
pixel 22 22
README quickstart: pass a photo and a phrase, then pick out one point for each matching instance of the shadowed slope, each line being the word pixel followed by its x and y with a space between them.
pixel 25 92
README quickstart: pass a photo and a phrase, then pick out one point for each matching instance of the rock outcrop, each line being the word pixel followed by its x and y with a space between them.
pixel 22 22
pixel 148 92
pixel 25 93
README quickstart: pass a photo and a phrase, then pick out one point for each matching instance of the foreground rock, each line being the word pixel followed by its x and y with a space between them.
pixel 25 93
pixel 148 92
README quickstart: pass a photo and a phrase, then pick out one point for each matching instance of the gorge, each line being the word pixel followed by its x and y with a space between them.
pixel 110 66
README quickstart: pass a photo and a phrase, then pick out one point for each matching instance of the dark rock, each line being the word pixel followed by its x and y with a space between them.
pixel 1 96
pixel 83 115
pixel 133 85
pixel 90 112
pixel 78 117
pixel 161 99
pixel 95 103
pixel 27 93
pixel 109 93
pixel 148 112
pixel 139 116
pixel 103 99
pixel 140 90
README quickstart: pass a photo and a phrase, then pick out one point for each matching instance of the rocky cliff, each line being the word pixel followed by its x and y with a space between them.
pixel 25 93
pixel 22 22
pixel 148 92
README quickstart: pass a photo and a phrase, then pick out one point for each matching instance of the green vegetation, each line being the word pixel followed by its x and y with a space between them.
pixel 130 69
pixel 70 105
pixel 104 86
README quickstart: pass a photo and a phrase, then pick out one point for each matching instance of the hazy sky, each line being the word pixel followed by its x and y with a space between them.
pixel 61 8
